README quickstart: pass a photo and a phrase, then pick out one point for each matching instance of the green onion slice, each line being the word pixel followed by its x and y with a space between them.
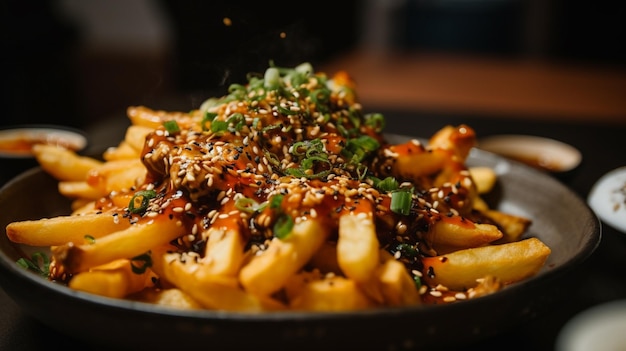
pixel 139 202
pixel 139 264
pixel 283 226
pixel 38 263
pixel 401 202
pixel 171 126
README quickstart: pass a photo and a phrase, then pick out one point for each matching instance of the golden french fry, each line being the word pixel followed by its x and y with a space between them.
pixel 330 294
pixel 136 136
pixel 146 117
pixel 224 251
pixel 357 246
pixel 171 297
pixel 414 160
pixel 132 241
pixel 115 279
pixel 267 272
pixel 510 262
pixel 397 286
pixel 62 163
pixel 63 229
pixel 117 175
pixel 80 189
pixel 484 177
pixel 123 151
pixel 456 139
pixel 210 290
pixel 512 226
pixel 450 235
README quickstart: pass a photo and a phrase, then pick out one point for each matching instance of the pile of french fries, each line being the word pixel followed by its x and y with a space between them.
pixel 251 203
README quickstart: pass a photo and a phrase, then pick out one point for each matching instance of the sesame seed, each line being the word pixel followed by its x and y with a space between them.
pixel 436 293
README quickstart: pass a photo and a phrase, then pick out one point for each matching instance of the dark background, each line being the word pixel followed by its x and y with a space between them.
pixel 53 73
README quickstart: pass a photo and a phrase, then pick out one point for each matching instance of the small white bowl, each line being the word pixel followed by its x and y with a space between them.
pixel 542 153
pixel 607 198
pixel 17 141
pixel 599 328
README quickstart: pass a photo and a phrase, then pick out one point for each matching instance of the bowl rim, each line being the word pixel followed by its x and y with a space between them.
pixel 78 134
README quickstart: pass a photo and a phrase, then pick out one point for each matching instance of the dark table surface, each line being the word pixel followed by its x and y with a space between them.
pixel 600 279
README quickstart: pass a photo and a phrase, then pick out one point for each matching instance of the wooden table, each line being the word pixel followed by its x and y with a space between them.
pixel 486 86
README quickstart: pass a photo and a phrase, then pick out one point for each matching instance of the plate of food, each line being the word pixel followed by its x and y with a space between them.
pixel 281 215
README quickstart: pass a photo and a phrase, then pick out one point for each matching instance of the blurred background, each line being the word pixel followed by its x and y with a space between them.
pixel 78 62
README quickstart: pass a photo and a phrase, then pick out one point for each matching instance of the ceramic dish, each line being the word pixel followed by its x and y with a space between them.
pixel 17 141
pixel 542 153
pixel 16 145
pixel 608 198
pixel 570 228
pixel 599 328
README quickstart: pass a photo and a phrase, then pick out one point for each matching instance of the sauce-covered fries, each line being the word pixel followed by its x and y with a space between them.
pixel 281 195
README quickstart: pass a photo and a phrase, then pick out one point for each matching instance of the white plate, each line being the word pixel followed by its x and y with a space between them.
pixel 599 328
pixel 543 153
pixel 607 198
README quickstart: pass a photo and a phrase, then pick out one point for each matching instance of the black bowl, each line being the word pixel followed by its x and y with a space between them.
pixel 560 219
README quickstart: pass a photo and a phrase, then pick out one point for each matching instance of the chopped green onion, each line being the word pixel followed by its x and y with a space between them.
pixel 139 202
pixel 376 121
pixel 272 78
pixel 283 226
pixel 207 119
pixel 171 126
pixel 407 250
pixel 218 126
pixel 139 264
pixel 38 263
pixel 388 184
pixel 90 239
pixel 401 202
pixel 359 148
pixel 248 205
pixel 418 282
pixel 276 201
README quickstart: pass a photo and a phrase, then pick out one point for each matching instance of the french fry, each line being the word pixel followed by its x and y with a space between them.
pixel 512 226
pixel 331 294
pixel 117 175
pixel 484 177
pixel 510 262
pixel 115 279
pixel 123 151
pixel 135 136
pixel 62 163
pixel 357 246
pixel 80 189
pixel 224 251
pixel 210 290
pixel 413 160
pixel 63 229
pixel 170 297
pixel 267 272
pixel 458 140
pixel 450 235
pixel 132 241
pixel 397 287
